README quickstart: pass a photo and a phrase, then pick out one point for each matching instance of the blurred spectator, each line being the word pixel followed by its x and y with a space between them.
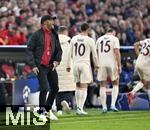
pixel 130 17
pixel 15 37
pixel 3 31
pixel 127 74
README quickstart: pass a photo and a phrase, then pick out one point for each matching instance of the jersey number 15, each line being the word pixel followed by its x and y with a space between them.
pixel 105 47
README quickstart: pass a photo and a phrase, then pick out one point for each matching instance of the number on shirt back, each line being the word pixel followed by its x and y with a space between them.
pixel 145 49
pixel 79 49
pixel 105 47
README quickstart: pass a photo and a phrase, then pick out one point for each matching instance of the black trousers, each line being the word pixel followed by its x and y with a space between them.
pixel 48 81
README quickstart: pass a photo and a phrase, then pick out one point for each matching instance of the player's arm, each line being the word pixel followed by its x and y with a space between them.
pixel 117 54
pixel 118 58
pixel 97 42
pixel 94 55
pixel 68 65
pixel 137 48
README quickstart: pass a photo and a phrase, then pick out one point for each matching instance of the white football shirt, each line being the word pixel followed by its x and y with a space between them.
pixel 82 47
pixel 105 46
pixel 144 56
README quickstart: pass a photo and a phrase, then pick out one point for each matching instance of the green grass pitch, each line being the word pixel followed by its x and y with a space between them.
pixel 95 120
pixel 122 120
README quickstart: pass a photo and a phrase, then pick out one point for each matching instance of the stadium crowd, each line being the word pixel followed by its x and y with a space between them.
pixel 20 18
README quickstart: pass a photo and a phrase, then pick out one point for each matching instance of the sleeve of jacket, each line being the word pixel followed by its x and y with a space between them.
pixel 58 50
pixel 31 45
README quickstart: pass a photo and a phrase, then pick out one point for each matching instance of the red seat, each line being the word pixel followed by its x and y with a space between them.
pixel 8 70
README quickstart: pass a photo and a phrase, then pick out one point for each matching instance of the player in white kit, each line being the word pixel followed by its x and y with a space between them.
pixel 108 49
pixel 82 46
pixel 142 66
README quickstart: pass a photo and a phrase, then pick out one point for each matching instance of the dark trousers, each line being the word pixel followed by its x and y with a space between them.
pixel 48 81
pixel 67 96
pixel 2 95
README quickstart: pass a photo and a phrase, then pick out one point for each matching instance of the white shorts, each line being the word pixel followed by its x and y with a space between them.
pixel 105 72
pixel 143 71
pixel 82 73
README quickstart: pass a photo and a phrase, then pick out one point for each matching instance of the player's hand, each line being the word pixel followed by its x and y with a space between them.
pixel 55 64
pixel 119 69
pixel 68 69
pixel 35 70
pixel 96 70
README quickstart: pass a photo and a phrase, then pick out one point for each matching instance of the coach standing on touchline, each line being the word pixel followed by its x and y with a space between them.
pixel 44 54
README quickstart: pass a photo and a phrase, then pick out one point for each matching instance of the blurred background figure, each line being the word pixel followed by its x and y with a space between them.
pixel 127 74
pixel 64 99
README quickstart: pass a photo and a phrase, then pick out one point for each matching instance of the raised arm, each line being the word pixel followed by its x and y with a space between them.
pixel 137 48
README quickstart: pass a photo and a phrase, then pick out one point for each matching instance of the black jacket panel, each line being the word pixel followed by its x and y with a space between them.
pixel 36 45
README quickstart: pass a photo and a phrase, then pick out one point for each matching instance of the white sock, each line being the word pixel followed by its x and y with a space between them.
pixel 81 95
pixel 77 97
pixel 148 92
pixel 137 87
pixel 114 95
pixel 103 97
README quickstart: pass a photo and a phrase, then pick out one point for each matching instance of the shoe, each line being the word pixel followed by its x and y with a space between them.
pixel 51 116
pixel 81 112
pixel 59 113
pixel 65 106
pixel 42 117
pixel 130 97
pixel 104 110
pixel 114 109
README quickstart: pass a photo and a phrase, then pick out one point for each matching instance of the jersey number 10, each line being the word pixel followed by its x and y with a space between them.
pixel 79 49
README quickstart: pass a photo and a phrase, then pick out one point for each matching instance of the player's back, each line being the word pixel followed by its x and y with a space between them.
pixel 144 56
pixel 106 45
pixel 81 48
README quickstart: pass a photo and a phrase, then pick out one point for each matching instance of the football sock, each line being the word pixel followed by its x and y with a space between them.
pixel 137 87
pixel 77 97
pixel 103 97
pixel 148 92
pixel 82 97
pixel 114 95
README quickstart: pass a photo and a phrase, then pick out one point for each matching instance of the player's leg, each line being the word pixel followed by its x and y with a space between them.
pixel 103 96
pixel 81 92
pixel 58 103
pixel 85 77
pixel 114 95
pixel 138 86
pixel 77 80
pixel 77 94
pixel 102 77
pixel 114 75
pixel 148 89
pixel 147 80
